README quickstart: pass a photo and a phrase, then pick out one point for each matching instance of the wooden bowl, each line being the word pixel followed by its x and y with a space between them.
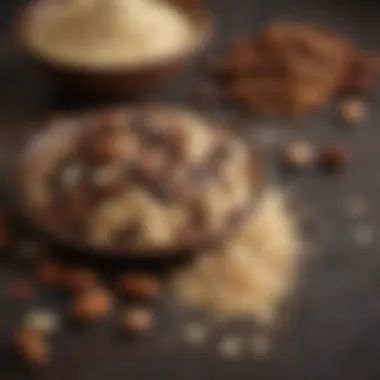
pixel 125 79
pixel 200 242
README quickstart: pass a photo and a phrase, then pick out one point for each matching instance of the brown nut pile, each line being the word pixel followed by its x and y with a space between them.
pixel 291 69
pixel 138 178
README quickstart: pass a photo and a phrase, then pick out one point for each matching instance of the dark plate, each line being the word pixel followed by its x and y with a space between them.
pixel 202 241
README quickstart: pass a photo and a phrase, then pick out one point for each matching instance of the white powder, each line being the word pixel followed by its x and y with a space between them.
pixel 252 273
pixel 108 32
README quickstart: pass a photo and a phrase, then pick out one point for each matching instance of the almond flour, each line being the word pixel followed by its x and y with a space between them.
pixel 109 33
pixel 251 274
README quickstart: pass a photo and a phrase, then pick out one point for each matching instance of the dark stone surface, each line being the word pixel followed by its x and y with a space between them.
pixel 334 324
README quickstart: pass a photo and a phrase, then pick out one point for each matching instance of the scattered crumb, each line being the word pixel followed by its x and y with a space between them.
pixel 194 333
pixel 230 346
pixel 353 111
pixel 45 321
pixel 299 154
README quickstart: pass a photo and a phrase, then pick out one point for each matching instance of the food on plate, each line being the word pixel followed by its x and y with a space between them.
pixel 138 178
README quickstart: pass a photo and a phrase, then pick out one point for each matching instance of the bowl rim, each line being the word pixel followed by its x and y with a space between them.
pixel 259 171
pixel 201 17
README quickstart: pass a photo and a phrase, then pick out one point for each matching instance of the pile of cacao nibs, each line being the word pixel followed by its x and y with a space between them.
pixel 147 178
pixel 288 70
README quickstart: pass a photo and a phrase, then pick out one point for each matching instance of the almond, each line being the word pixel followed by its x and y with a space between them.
pixel 333 158
pixel 32 345
pixel 92 304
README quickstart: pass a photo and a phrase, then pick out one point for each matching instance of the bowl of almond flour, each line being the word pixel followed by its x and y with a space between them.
pixel 115 46
pixel 138 181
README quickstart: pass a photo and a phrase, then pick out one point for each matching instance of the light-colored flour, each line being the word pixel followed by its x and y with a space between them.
pixel 107 33
pixel 251 274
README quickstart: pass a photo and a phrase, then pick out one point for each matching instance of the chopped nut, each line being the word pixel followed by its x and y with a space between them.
pixel 48 273
pixel 139 286
pixel 92 304
pixel 333 158
pixel 32 345
pixel 353 111
pixel 138 320
pixel 299 154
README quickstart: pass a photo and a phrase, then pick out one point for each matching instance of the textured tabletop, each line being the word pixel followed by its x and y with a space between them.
pixel 334 324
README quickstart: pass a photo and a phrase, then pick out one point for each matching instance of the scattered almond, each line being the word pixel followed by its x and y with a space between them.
pixel 32 345
pixel 139 286
pixel 137 320
pixel 298 154
pixel 92 304
pixel 333 158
